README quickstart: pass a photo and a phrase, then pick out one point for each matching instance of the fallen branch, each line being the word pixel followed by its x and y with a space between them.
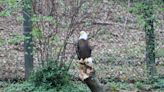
pixel 106 23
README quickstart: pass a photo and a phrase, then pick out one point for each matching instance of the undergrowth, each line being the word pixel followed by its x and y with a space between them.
pixel 50 78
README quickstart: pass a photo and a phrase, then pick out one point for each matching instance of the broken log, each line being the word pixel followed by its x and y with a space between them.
pixel 94 84
pixel 88 75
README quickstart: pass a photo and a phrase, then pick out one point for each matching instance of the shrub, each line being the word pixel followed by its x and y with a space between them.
pixel 50 75
pixel 138 85
pixel 159 83
pixel 50 78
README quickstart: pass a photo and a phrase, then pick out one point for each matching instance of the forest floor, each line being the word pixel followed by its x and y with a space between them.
pixel 115 86
pixel 119 54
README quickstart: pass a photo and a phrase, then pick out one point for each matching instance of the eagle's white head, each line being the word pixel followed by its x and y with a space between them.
pixel 83 35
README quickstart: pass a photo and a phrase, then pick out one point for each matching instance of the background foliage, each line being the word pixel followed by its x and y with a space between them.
pixel 114 26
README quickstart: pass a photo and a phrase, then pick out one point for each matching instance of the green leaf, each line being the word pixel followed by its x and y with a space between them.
pixel 36 33
pixel 161 9
pixel 84 7
pixel 1 41
pixel 11 2
pixel 4 13
pixel 160 52
pixel 48 18
pixel 35 19
pixel 20 18
pixel 16 39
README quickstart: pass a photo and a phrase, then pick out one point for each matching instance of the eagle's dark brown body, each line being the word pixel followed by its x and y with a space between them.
pixel 83 49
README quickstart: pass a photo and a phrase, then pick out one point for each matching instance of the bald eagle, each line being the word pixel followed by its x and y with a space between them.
pixel 84 55
pixel 83 48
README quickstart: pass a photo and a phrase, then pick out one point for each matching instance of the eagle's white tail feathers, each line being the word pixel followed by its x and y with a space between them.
pixel 89 62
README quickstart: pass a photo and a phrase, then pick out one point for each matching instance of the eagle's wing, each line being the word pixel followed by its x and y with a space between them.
pixel 77 50
pixel 83 49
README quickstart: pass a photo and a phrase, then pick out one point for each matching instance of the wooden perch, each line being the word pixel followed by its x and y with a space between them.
pixel 88 75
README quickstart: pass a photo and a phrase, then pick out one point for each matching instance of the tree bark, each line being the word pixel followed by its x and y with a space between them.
pixel 88 75
pixel 94 84
pixel 27 27
pixel 150 38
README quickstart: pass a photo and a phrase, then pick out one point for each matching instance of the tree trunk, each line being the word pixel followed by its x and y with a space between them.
pixel 150 38
pixel 88 75
pixel 27 27
pixel 94 84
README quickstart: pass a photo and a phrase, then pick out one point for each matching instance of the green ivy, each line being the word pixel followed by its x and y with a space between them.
pixel 16 39
pixel 36 33
pixel 1 41
pixel 10 6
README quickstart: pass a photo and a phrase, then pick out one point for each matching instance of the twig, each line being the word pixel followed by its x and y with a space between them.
pixel 106 23
pixel 71 27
